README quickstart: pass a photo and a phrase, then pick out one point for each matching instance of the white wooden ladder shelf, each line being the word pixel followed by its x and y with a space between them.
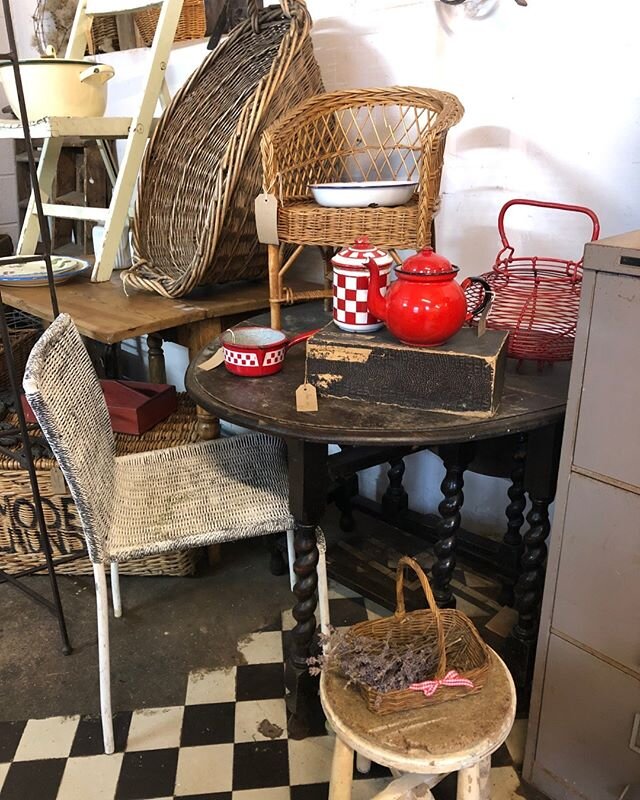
pixel 135 130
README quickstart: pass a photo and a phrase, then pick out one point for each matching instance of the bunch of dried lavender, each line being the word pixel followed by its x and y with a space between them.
pixel 382 664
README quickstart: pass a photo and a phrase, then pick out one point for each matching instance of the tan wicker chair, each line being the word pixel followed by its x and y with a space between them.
pixel 396 133
pixel 148 503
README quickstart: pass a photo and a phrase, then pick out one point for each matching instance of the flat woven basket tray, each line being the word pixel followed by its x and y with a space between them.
pixel 194 220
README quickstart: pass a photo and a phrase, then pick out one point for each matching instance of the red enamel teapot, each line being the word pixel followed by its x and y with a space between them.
pixel 425 306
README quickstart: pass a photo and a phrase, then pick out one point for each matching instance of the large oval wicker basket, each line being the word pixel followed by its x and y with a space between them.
pixel 451 633
pixel 194 219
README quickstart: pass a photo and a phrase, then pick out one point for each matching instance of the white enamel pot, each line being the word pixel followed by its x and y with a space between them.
pixel 58 87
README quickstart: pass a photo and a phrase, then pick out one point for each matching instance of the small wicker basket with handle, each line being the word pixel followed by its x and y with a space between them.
pixel 463 658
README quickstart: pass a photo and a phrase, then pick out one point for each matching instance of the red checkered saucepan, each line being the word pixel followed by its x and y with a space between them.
pixel 253 352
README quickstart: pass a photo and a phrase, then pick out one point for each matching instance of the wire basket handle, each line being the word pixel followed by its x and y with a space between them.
pixel 401 612
pixel 542 204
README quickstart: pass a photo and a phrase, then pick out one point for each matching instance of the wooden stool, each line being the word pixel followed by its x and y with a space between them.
pixel 426 743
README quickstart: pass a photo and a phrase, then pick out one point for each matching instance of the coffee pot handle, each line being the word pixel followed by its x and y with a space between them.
pixel 486 297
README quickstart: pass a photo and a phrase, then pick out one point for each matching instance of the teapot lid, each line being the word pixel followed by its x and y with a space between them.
pixel 427 262
pixel 360 253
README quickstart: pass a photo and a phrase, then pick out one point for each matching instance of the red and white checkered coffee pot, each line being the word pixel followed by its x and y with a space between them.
pixel 351 285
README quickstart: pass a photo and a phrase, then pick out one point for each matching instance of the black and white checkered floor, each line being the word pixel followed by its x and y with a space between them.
pixel 228 740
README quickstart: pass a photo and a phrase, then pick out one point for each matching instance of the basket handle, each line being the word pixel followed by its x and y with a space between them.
pixel 542 204
pixel 252 6
pixel 400 612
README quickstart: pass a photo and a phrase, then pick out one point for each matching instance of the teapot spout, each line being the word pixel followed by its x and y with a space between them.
pixel 375 299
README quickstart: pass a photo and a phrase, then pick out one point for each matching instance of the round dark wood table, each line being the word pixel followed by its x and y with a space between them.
pixel 530 416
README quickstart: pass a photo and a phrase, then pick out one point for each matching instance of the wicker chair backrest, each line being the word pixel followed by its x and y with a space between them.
pixel 63 390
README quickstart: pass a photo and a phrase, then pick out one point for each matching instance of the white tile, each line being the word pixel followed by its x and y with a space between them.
pixel 502 623
pixel 212 686
pixel 47 738
pixel 310 759
pixel 468 608
pixel 376 611
pixel 155 728
pixel 204 769
pixel 92 776
pixel 337 591
pixel 262 648
pixel 505 784
pixel 478 581
pixel 366 789
pixel 516 741
pixel 288 621
pixel 275 793
pixel 254 714
pixel 4 768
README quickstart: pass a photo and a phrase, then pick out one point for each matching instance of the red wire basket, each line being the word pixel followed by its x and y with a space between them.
pixel 536 299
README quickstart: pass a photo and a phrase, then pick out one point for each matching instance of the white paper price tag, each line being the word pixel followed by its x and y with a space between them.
pixel 214 361
pixel 306 398
pixel 266 207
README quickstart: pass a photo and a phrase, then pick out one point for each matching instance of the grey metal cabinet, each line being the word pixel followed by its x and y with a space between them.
pixel 584 727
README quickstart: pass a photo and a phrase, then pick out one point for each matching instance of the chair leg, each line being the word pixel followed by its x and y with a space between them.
pixel 115 590
pixel 291 556
pixel 323 584
pixel 341 771
pixel 485 778
pixel 363 764
pixel 469 783
pixel 275 284
pixel 102 607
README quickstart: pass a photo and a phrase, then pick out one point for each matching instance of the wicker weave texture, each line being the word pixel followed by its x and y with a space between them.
pixel 154 502
pixel 450 632
pixel 394 133
pixel 19 541
pixel 194 220
pixel 192 23
pixel 23 332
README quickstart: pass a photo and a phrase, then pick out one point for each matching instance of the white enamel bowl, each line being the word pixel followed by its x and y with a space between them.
pixel 364 194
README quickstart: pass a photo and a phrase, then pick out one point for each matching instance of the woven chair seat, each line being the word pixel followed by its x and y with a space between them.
pixel 197 495
pixel 308 223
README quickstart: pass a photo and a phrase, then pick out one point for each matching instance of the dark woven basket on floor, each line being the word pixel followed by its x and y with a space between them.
pixel 451 634
pixel 194 217
pixel 23 332
pixel 19 541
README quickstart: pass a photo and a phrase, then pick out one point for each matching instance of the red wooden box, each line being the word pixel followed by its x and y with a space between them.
pixel 134 407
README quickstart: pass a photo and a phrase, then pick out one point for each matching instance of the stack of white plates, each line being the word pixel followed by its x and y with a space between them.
pixel 34 273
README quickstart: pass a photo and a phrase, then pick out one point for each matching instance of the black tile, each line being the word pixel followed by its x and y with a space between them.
pixel 208 723
pixel 447 789
pixel 502 757
pixel 10 735
pixel 347 611
pixel 33 780
pixel 216 796
pixel 88 738
pixel 258 765
pixel 259 681
pixel 376 771
pixel 151 773
pixel 310 791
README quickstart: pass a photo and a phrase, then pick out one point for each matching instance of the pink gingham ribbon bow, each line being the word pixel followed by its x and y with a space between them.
pixel 429 688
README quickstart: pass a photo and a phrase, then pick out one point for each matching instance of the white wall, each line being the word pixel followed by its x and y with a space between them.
pixel 8 191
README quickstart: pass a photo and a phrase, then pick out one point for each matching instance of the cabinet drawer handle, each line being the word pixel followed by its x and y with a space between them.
pixel 634 743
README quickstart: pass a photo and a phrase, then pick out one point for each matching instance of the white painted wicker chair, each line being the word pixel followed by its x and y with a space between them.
pixel 156 502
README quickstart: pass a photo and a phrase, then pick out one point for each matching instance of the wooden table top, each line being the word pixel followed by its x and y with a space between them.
pixel 103 312
pixel 530 400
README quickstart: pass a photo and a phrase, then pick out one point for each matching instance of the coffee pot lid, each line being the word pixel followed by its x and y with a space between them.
pixel 360 253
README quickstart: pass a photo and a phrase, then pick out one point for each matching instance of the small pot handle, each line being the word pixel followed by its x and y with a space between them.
pixel 301 337
pixel 103 73
pixel 487 295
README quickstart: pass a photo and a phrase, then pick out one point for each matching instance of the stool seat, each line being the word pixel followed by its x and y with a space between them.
pixel 437 739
